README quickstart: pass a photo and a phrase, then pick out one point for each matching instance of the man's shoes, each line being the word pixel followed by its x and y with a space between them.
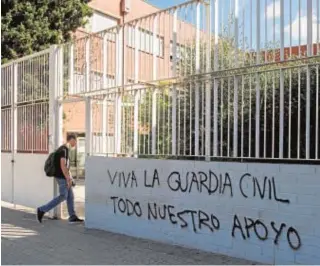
pixel 75 219
pixel 40 215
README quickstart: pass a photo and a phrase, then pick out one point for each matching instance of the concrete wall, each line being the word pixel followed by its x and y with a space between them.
pixel 6 177
pixel 31 187
pixel 263 212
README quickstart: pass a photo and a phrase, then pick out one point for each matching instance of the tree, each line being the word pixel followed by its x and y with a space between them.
pixel 30 26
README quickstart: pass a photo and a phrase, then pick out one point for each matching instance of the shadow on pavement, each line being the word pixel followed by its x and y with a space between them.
pixel 25 241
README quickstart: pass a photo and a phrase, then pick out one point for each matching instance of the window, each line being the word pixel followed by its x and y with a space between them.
pixel 180 51
pixel 145 41
pixel 99 22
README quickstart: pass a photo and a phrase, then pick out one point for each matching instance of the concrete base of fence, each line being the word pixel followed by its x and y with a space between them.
pixel 24 181
pixel 262 212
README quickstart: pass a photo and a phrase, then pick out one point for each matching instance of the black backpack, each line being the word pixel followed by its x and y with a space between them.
pixel 49 166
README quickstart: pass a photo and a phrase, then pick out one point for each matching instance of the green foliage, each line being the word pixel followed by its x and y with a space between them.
pixel 29 26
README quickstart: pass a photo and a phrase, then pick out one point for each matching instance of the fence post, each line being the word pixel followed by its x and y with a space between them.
pixel 136 93
pixel 88 124
pixel 281 118
pixel 119 83
pixel 257 85
pixel 154 93
pixel 55 107
pixel 105 100
pixel 14 121
pixel 71 69
pixel 215 84
pixel 197 96
pixel 236 84
pixel 208 86
pixel 174 89
pixel 104 124
pixel 309 53
pixel 136 124
pixel 88 101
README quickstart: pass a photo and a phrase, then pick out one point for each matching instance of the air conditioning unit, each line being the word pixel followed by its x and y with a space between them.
pixel 125 6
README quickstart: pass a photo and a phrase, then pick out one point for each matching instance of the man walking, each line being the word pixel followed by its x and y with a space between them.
pixel 64 179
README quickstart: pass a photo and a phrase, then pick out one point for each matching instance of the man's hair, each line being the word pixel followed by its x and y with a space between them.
pixel 71 136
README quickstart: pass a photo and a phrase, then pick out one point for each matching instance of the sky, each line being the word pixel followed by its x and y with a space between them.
pixel 269 19
pixel 165 3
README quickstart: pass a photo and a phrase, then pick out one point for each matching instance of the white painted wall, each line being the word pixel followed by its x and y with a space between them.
pixel 6 177
pixel 32 187
pixel 29 184
pixel 299 184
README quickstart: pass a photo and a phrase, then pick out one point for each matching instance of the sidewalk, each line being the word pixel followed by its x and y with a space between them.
pixel 25 241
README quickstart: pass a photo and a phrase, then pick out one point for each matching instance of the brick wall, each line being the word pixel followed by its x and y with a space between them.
pixel 268 213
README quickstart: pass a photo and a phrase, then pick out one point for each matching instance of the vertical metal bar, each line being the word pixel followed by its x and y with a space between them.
pixel 154 121
pixel 87 64
pixel 235 84
pixel 242 115
pixel 215 82
pixel 281 118
pixel 257 79
pixel 290 108
pixel 53 83
pixel 265 30
pixel 290 31
pixel 317 113
pixel 155 45
pixel 318 27
pixel 309 28
pixel 258 31
pixel 250 114
pixel 136 93
pixel 71 69
pixel 228 117
pixel 104 131
pixel 299 25
pixel 59 128
pixel 251 23
pixel 274 31
pixel 221 118
pixel 119 57
pixel 174 89
pixel 88 123
pixel 119 83
pixel 55 109
pixel 14 124
pixel 154 93
pixel 136 53
pixel 265 119
pixel 309 54
pixel 299 112
pixel 136 124
pixel 197 97
pixel 273 112
pixel 105 61
pixel 104 108
pixel 208 86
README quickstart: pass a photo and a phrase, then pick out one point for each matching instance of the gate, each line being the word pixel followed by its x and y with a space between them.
pixel 29 126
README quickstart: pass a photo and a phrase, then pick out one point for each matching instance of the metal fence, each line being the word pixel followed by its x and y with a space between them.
pixel 233 79
pixel 229 79
pixel 193 38
pixel 245 113
pixel 25 104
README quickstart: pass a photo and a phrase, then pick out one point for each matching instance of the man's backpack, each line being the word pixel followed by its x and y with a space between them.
pixel 49 166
